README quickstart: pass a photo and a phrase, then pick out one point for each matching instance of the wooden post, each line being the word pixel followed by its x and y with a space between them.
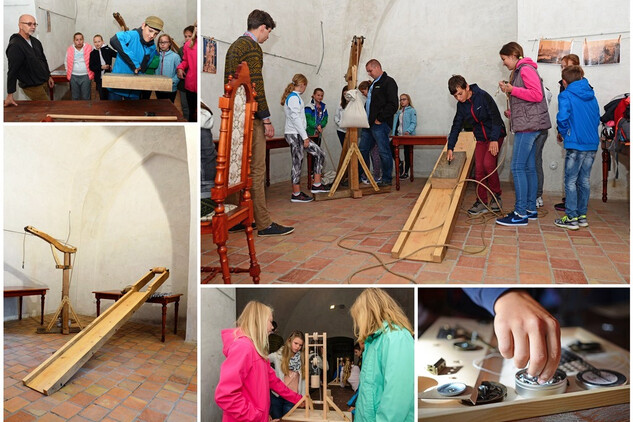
pixel 66 293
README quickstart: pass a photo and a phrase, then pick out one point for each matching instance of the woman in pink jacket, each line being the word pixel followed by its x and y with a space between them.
pixel 188 70
pixel 246 376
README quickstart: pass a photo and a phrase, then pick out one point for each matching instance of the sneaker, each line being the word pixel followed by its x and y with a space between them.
pixel 532 215
pixel 302 197
pixel 275 230
pixel 382 184
pixel 513 219
pixel 494 207
pixel 567 223
pixel 364 180
pixel 560 206
pixel 582 221
pixel 320 188
pixel 539 202
pixel 240 227
pixel 477 208
pixel 404 175
pixel 207 206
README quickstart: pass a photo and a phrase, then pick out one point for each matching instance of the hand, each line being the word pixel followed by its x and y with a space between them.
pixel 507 113
pixel 181 74
pixel 319 129
pixel 449 154
pixel 559 137
pixel 306 142
pixel 407 133
pixel 377 122
pixel 505 86
pixel 51 82
pixel 137 70
pixel 10 101
pixel 494 148
pixel 105 67
pixel 269 130
pixel 528 333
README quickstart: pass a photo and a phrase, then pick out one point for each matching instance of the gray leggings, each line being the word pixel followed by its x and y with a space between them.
pixel 80 87
pixel 296 152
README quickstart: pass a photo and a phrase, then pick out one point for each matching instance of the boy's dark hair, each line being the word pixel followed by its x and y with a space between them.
pixel 259 17
pixel 77 33
pixel 317 90
pixel 572 74
pixel 456 81
pixel 512 49
pixel 356 346
pixel 190 28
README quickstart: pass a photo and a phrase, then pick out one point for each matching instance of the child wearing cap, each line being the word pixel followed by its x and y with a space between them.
pixel 135 50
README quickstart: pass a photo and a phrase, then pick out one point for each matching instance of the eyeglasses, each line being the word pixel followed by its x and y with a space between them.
pixel 29 23
pixel 403 99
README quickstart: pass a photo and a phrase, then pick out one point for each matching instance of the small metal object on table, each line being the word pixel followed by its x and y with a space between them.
pixel 163 300
pixel 21 291
pixel 413 140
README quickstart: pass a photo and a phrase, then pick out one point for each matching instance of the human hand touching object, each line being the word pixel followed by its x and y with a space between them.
pixel 528 333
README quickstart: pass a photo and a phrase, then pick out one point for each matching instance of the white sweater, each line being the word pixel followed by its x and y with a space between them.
pixel 295 116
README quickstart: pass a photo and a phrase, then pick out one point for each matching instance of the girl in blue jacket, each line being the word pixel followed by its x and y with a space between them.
pixel 385 391
pixel 404 123
pixel 169 61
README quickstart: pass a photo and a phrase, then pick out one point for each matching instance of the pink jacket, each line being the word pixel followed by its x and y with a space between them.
pixel 190 65
pixel 532 91
pixel 70 59
pixel 245 380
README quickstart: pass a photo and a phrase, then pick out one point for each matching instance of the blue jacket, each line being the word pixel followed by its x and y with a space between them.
pixel 132 53
pixel 387 377
pixel 409 121
pixel 480 112
pixel 578 116
pixel 167 65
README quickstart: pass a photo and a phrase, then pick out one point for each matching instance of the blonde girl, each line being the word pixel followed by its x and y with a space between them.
pixel 168 65
pixel 386 380
pixel 246 375
pixel 288 363
pixel 297 137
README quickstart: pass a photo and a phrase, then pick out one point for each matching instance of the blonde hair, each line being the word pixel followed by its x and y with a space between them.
pixel 297 79
pixel 372 308
pixel 286 352
pixel 408 100
pixel 172 45
pixel 253 323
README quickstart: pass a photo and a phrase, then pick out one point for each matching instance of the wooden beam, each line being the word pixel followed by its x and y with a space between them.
pixel 115 118
pixel 137 82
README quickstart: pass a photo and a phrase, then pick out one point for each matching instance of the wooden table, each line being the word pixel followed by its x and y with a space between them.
pixel 36 111
pixel 413 140
pixel 59 77
pixel 606 164
pixel 21 291
pixel 163 300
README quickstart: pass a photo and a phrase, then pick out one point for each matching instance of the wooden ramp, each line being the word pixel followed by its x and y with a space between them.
pixel 51 375
pixel 435 211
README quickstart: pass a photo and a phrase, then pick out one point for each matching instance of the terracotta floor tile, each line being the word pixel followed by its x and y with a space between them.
pixel 569 277
pixel 150 415
pixel 66 410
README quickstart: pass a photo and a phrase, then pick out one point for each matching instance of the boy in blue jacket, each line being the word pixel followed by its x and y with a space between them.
pixel 477 109
pixel 577 120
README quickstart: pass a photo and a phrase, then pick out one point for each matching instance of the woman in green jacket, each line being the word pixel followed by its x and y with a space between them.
pixel 386 378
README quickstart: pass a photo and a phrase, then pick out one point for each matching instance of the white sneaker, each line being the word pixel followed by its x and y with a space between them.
pixel 539 202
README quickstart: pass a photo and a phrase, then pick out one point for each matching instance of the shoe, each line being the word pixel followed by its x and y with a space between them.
pixel 364 180
pixel 240 227
pixel 493 205
pixel 275 230
pixel 582 221
pixel 477 208
pixel 302 197
pixel 404 175
pixel 321 188
pixel 382 184
pixel 567 223
pixel 207 206
pixel 401 168
pixel 560 206
pixel 539 202
pixel 513 219
pixel 532 215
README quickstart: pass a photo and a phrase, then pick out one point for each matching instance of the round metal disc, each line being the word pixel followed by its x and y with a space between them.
pixel 603 378
pixel 451 389
pixel 489 392
pixel 466 346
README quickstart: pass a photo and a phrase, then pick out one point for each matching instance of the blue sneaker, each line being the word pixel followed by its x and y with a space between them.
pixel 513 219
pixel 532 215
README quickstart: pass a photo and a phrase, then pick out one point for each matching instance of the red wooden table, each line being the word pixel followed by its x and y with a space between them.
pixel 413 140
pixel 163 300
pixel 606 164
pixel 21 291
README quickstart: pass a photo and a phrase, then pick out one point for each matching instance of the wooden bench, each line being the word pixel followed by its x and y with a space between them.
pixel 413 140
pixel 163 300
pixel 21 291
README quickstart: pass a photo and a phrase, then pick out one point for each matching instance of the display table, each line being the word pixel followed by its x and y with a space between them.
pixel 21 291
pixel 413 140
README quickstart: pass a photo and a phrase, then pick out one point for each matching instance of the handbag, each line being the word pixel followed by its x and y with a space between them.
pixel 354 115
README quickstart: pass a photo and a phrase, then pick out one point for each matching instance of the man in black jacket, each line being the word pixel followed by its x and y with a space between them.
pixel 101 62
pixel 381 105
pixel 27 63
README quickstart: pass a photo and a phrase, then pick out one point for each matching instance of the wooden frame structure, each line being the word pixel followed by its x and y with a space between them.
pixel 65 308
pixel 238 107
pixel 315 340
pixel 55 371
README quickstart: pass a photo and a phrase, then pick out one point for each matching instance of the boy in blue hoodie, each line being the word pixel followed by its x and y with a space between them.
pixel 577 119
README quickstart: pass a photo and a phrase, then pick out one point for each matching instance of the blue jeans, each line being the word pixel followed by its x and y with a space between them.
pixel 378 134
pixel 524 172
pixel 577 172
pixel 279 406
pixel 118 97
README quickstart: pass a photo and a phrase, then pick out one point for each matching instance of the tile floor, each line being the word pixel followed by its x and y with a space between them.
pixel 132 377
pixel 538 253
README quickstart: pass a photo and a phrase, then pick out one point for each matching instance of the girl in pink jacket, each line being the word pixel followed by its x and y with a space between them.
pixel 188 70
pixel 246 377
pixel 78 68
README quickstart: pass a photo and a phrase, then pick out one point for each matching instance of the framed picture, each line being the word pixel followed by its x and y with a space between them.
pixel 552 51
pixel 210 59
pixel 601 52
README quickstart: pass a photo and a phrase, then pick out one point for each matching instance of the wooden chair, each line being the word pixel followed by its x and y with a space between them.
pixel 233 173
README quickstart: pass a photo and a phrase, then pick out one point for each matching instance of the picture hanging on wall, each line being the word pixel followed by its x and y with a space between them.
pixel 210 55
pixel 552 51
pixel 601 52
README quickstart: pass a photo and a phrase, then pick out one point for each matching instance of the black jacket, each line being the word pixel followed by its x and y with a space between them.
pixel 27 64
pixel 384 100
pixel 95 61
pixel 480 112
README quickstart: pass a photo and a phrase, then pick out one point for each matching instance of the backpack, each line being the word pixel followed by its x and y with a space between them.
pixel 616 122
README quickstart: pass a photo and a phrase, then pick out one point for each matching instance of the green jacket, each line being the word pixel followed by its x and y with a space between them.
pixel 387 377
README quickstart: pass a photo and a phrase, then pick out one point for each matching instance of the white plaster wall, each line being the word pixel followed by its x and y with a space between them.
pixel 420 44
pixel 217 312
pixel 128 195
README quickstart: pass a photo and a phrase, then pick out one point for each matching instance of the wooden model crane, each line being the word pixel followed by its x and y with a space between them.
pixel 65 308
